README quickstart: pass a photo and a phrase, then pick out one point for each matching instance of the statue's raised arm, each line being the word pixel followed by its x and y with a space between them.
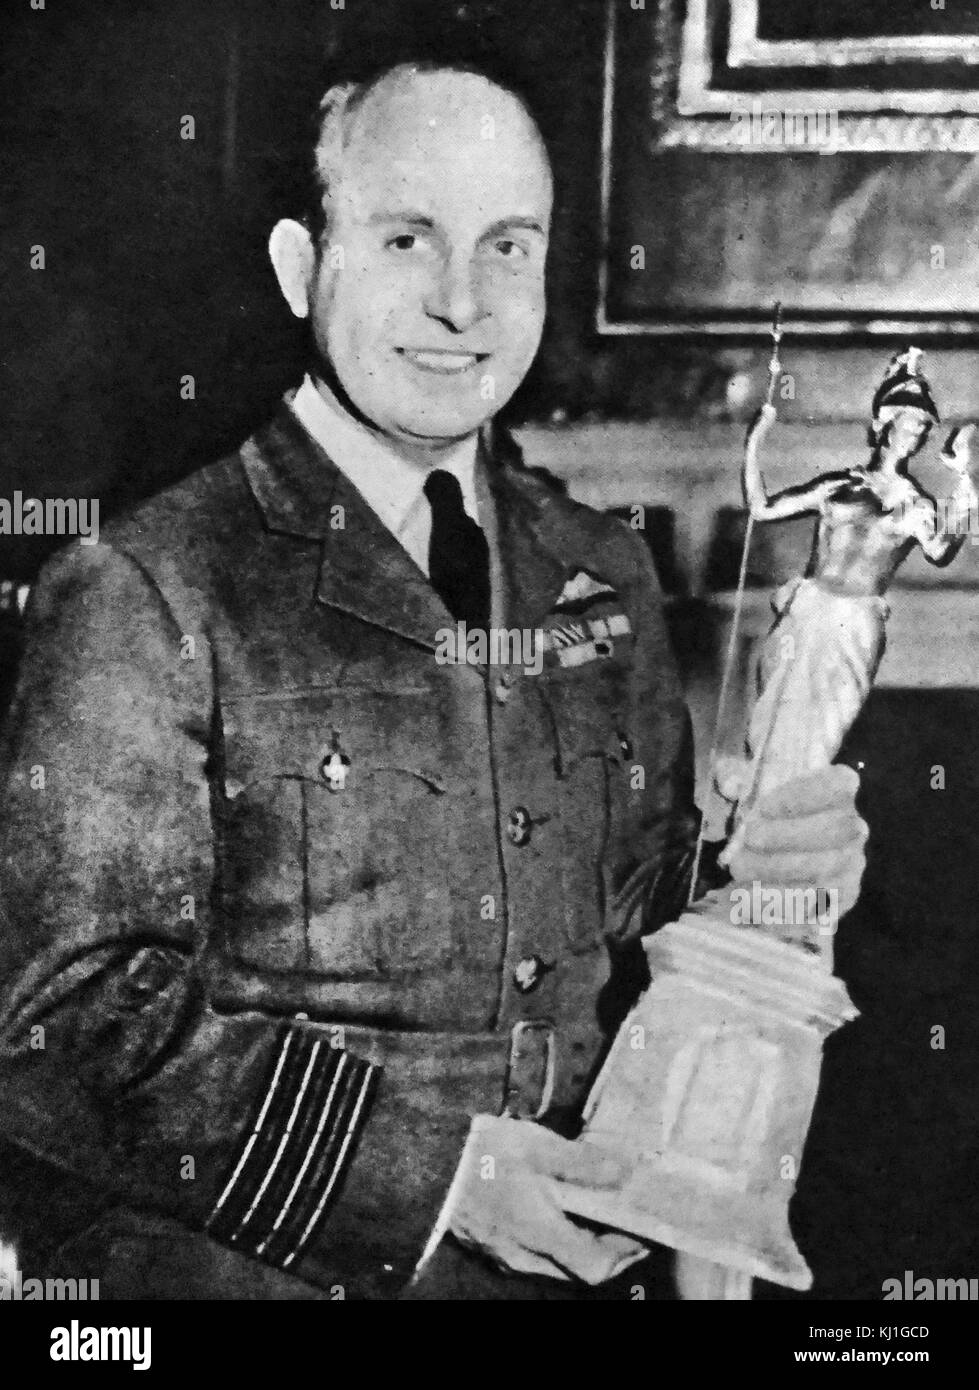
pixel 791 501
pixel 941 535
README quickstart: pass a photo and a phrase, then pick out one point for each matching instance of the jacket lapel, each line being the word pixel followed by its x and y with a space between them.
pixel 368 574
pixel 363 571
pixel 533 563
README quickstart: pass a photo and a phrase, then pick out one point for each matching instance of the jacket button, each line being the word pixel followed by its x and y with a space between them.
pixel 528 974
pixel 335 765
pixel 519 826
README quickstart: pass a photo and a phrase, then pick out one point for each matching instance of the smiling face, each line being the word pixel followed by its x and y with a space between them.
pixel 441 206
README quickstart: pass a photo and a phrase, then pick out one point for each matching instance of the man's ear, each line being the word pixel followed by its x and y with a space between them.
pixel 293 259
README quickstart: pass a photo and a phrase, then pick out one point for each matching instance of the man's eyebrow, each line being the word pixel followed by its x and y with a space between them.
pixel 413 218
pixel 514 224
pixel 416 219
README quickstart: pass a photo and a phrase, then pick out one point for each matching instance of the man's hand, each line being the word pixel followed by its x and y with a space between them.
pixel 505 1202
pixel 806 833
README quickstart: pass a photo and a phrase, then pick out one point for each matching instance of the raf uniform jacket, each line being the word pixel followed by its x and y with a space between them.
pixel 285 899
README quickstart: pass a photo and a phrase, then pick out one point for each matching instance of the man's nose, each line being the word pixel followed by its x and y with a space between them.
pixel 455 297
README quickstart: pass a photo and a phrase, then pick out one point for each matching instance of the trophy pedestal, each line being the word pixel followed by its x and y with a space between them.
pixel 709 1089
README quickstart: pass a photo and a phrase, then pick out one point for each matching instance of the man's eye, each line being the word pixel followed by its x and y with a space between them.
pixel 510 250
pixel 404 241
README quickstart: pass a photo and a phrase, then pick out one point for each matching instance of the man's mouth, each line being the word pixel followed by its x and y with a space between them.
pixel 442 361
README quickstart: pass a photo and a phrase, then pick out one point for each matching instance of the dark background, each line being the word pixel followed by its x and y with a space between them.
pixel 155 246
pixel 798 19
pixel 156 268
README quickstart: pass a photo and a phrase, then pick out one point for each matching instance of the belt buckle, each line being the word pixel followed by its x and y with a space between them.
pixel 530 1069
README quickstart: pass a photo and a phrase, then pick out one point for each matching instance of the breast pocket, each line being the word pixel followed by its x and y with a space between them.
pixel 338 834
pixel 591 746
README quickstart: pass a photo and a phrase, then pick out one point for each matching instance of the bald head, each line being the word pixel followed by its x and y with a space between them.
pixel 464 104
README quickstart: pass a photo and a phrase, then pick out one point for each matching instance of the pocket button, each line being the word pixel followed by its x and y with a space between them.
pixel 335 766
pixel 528 974
pixel 519 826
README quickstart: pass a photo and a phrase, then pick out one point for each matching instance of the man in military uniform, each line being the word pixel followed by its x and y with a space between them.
pixel 288 898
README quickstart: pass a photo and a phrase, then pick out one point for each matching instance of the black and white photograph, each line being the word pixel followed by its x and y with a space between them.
pixel 489 664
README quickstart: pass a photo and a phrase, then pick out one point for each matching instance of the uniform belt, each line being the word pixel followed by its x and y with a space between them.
pixel 530 1071
pixel 527 1073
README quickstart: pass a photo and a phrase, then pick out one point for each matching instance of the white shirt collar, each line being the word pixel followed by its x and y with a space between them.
pixel 391 485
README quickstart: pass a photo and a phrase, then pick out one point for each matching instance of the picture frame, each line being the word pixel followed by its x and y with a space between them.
pixel 851 157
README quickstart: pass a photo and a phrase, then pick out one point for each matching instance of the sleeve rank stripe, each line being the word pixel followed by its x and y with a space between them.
pixel 283 1141
pixel 256 1228
pixel 280 1062
pixel 262 1152
pixel 324 1148
pixel 297 1149
pixel 310 1151
pixel 352 1129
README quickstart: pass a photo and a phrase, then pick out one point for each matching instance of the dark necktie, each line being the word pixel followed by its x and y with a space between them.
pixel 458 556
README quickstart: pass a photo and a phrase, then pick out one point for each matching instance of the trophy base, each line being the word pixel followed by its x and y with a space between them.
pixel 708 1093
pixel 750 1236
